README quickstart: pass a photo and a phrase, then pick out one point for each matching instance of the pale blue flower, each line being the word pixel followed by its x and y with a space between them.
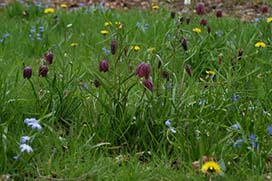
pixel 253 139
pixel 269 130
pixel 234 97
pixel 106 51
pixel 172 130
pixel 236 126
pixel 6 35
pixel 41 29
pixel 33 123
pixel 238 143
pixel 168 123
pixel 25 139
pixel 26 148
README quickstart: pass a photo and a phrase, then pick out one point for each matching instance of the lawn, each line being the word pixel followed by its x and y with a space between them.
pixel 90 93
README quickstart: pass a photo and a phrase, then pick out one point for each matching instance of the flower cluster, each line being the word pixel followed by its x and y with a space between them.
pixel 36 34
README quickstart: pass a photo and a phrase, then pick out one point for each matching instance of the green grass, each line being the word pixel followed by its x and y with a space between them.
pixel 86 128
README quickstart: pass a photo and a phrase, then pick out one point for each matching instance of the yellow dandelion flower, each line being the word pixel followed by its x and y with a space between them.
pixel 63 5
pixel 269 20
pixel 210 72
pixel 108 23
pixel 260 44
pixel 74 44
pixel 49 10
pixel 197 30
pixel 211 168
pixel 155 7
pixel 136 48
pixel 104 32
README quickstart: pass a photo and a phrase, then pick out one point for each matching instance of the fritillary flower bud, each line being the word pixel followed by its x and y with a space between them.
pixel 165 75
pixel 203 22
pixel 219 13
pixel 48 57
pixel 104 66
pixel 240 53
pixel 159 64
pixel 181 20
pixel 209 29
pixel 173 14
pixel 96 83
pixel 188 19
pixel 43 70
pixel 184 44
pixel 143 70
pixel 200 8
pixel 148 84
pixel 113 46
pixel 264 9
pixel 27 72
pixel 189 70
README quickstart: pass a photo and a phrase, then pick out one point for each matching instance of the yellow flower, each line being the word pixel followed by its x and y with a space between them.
pixel 210 72
pixel 108 23
pixel 197 30
pixel 211 167
pixel 63 5
pixel 136 48
pixel 119 24
pixel 269 20
pixel 104 32
pixel 260 44
pixel 74 44
pixel 155 7
pixel 49 10
pixel 152 49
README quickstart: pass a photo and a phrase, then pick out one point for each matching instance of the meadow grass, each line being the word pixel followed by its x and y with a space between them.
pixel 202 95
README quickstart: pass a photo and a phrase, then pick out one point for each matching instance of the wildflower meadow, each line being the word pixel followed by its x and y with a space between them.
pixel 91 93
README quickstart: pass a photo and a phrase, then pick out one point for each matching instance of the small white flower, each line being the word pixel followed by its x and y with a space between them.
pixel 25 139
pixel 172 130
pixel 26 148
pixel 33 123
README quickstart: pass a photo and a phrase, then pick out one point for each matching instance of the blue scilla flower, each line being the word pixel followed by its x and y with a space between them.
pixel 253 139
pixel 33 30
pixel 41 29
pixel 33 123
pixel 234 97
pixel 238 143
pixel 269 130
pixel 26 148
pixel 106 51
pixel 25 139
pixel 236 126
pixel 5 35
pixel 168 123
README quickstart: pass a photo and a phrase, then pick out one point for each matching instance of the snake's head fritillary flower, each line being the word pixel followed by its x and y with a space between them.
pixel 200 8
pixel 173 14
pixel 49 10
pixel 165 75
pixel 203 22
pixel 113 46
pixel 143 70
pixel 219 13
pixel 148 84
pixel 96 83
pixel 189 70
pixel 184 43
pixel 43 70
pixel 104 66
pixel 211 167
pixel 209 29
pixel 188 19
pixel 27 72
pixel 48 57
pixel 264 9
